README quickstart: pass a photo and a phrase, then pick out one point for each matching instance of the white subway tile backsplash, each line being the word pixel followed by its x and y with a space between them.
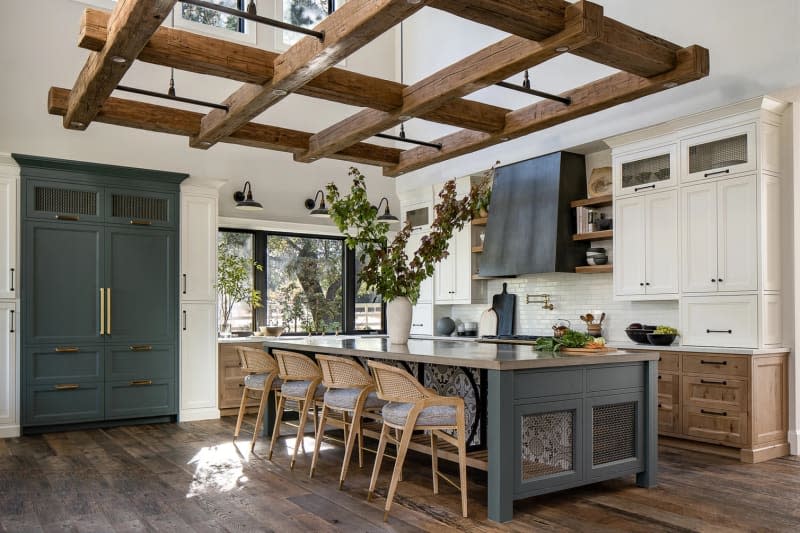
pixel 572 295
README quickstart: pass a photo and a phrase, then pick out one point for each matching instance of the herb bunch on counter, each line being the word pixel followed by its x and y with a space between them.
pixel 570 339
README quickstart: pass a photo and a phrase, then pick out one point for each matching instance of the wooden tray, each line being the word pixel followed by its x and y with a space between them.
pixel 586 351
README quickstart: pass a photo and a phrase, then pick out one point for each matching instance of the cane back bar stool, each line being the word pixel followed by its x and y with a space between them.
pixel 413 407
pixel 302 383
pixel 261 377
pixel 350 392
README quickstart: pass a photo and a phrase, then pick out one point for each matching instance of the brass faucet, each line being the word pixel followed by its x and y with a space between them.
pixel 543 299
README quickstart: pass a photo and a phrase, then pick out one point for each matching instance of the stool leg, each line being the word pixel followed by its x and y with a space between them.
pixel 378 460
pixel 301 430
pixel 462 459
pixel 277 429
pixel 318 439
pixel 259 417
pixel 435 462
pixel 348 449
pixel 360 445
pixel 398 469
pixel 241 413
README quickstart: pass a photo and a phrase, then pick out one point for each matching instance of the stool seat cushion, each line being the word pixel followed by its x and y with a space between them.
pixel 255 381
pixel 435 415
pixel 345 399
pixel 297 389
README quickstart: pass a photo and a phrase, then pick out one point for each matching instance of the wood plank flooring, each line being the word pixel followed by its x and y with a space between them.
pixel 191 477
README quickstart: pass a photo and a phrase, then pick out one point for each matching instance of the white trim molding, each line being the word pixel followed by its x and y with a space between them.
pixel 274 225
pixel 192 415
pixel 8 432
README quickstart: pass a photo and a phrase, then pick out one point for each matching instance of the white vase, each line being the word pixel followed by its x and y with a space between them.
pixel 398 320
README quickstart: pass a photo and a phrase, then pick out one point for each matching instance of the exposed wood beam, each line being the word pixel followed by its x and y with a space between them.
pixel 205 55
pixel 621 46
pixel 349 28
pixel 161 119
pixel 131 24
pixel 692 64
pixel 581 24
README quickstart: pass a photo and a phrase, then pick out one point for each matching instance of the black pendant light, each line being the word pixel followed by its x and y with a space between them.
pixel 244 201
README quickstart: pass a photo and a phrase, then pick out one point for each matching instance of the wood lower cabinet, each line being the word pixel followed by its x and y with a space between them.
pixel 737 401
pixel 231 379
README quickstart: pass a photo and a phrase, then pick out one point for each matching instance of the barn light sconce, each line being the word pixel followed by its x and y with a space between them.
pixel 386 216
pixel 244 201
pixel 317 211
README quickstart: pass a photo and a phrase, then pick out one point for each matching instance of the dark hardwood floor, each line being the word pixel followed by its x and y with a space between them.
pixel 191 477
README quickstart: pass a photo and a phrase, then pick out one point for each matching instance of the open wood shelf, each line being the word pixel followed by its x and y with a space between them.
pixel 477 249
pixel 594 236
pixel 480 221
pixel 594 269
pixel 597 201
pixel 478 277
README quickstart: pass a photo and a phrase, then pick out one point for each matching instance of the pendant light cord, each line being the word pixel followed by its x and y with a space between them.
pixel 402 47
pixel 171 90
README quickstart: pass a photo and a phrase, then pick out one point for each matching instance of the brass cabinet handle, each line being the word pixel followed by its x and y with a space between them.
pixel 102 312
pixel 108 322
pixel 71 218
pixel 67 386
pixel 140 348
pixel 140 382
pixel 139 222
pixel 61 349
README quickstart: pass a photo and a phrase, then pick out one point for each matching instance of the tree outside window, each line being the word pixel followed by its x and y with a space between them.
pixel 210 17
pixel 305 13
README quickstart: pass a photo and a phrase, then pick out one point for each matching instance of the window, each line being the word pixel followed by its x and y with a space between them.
pixel 235 269
pixel 306 13
pixel 308 284
pixel 217 19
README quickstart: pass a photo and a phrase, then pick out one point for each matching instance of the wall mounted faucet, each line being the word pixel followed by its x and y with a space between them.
pixel 543 299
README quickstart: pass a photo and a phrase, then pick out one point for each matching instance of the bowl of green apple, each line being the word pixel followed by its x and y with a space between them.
pixel 662 336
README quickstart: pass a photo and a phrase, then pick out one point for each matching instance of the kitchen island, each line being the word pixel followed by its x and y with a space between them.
pixel 552 420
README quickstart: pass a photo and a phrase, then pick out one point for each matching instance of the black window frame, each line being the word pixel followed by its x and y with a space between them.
pixel 349 285
pixel 240 5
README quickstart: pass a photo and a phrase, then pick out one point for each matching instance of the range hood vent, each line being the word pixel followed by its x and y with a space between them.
pixel 531 223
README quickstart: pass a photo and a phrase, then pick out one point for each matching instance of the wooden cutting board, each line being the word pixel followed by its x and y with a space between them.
pixel 586 351
pixel 504 305
pixel 487 325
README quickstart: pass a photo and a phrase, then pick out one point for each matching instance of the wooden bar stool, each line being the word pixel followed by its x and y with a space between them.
pixel 302 383
pixel 262 377
pixel 351 391
pixel 413 407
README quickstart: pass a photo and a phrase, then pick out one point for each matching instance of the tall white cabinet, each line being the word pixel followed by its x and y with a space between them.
pixel 9 298
pixel 715 236
pixel 198 317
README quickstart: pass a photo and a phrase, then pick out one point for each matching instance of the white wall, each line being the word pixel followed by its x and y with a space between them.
pixel 38 50
pixel 754 50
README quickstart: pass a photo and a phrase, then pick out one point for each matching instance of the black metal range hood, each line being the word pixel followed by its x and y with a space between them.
pixel 531 223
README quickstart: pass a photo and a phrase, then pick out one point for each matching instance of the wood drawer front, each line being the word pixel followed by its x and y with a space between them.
pixel 669 412
pixel 716 393
pixel 64 364
pixel 723 426
pixel 140 362
pixel 669 362
pixel 717 365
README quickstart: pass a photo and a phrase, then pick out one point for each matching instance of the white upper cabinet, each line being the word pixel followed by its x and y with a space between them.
pixel 646 246
pixel 198 247
pixel 645 171
pixel 699 208
pixel 720 153
pixel 9 273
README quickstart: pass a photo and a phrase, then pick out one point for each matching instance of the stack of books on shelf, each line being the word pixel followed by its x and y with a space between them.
pixel 586 219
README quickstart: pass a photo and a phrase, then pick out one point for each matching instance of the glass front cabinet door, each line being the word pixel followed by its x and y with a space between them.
pixel 646 170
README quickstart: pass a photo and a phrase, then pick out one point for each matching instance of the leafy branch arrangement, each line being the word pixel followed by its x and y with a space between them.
pixel 386 268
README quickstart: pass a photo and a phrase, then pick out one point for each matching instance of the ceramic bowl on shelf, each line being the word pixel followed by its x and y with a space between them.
pixel 597 260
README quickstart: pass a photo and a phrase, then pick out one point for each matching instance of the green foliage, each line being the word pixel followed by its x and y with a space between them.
pixel 386 269
pixel 234 282
pixel 570 339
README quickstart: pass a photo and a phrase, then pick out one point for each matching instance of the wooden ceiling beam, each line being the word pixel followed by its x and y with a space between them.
pixel 131 25
pixel 161 119
pixel 582 24
pixel 621 46
pixel 216 57
pixel 346 30
pixel 613 90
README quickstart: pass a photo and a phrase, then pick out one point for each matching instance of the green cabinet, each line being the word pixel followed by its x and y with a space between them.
pixel 99 292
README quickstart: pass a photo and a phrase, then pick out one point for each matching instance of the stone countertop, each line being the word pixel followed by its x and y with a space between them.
pixel 456 353
pixel 696 349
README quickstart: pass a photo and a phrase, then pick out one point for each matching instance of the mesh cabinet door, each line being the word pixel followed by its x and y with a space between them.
pixel 615 426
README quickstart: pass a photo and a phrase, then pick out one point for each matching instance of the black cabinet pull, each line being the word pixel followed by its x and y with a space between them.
pixel 707 174
pixel 659 406
pixel 702 362
pixel 720 280
pixel 184 320
pixel 712 382
pixel 659 377
pixel 647 283
pixel 418 325
pixel 715 413
pixel 12 280
pixel 719 331
pixel 637 189
pixel 184 283
pixel 641 284
pixel 713 280
pixel 11 311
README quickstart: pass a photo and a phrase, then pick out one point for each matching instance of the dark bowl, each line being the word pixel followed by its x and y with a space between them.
pixel 661 339
pixel 638 335
pixel 649 328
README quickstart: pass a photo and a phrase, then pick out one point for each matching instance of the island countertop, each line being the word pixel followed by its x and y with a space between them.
pixel 464 354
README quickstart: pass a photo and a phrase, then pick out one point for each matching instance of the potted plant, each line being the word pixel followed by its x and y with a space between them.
pixel 386 269
pixel 233 281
